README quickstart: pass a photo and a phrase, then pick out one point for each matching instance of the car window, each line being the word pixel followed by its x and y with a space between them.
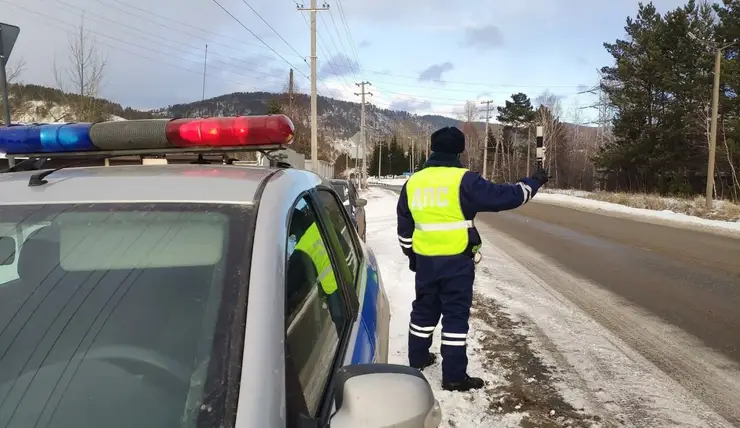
pixel 344 230
pixel 315 308
pixel 113 319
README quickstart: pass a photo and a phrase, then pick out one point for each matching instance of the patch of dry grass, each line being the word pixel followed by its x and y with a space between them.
pixel 722 210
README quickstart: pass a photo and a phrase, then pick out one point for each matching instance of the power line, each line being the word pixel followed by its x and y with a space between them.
pixel 158 39
pixel 180 28
pixel 273 29
pixel 385 73
pixel 350 40
pixel 55 21
pixel 339 52
pixel 258 38
pixel 336 29
pixel 322 45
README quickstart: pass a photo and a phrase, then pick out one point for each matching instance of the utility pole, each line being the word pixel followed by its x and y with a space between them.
pixel 485 147
pixel 380 156
pixel 290 94
pixel 713 129
pixel 362 131
pixel 715 114
pixel 411 155
pixel 203 93
pixel 314 96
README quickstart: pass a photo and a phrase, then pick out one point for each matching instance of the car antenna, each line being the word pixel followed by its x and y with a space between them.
pixel 200 160
pixel 38 179
pixel 275 161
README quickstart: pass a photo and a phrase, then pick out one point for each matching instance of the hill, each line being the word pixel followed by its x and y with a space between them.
pixel 340 119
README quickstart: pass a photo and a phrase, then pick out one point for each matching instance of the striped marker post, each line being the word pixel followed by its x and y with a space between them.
pixel 540 147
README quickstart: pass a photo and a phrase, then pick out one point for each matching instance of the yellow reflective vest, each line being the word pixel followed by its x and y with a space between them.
pixel 440 229
pixel 312 244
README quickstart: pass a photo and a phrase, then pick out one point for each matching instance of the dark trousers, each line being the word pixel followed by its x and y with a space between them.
pixel 444 287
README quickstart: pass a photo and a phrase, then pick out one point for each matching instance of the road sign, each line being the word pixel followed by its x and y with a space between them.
pixel 540 146
pixel 8 36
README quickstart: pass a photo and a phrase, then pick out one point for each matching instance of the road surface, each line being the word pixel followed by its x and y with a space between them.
pixel 688 280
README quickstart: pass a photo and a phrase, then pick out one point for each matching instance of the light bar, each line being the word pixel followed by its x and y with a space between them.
pixel 153 135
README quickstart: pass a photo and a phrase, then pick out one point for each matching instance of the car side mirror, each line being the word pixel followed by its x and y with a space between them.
pixel 384 395
pixel 7 250
pixel 360 202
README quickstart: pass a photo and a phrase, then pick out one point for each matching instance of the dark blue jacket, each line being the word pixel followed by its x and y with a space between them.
pixel 476 195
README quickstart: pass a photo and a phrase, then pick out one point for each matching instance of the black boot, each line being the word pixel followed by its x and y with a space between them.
pixel 465 385
pixel 431 359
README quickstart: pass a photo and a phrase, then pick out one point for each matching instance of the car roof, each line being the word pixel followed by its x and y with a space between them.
pixel 227 184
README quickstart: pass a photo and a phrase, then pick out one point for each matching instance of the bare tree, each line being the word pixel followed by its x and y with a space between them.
pixel 82 78
pixel 13 72
pixel 473 152
pixel 15 97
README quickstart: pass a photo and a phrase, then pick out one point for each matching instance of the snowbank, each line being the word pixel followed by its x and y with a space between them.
pixel 665 217
pixel 387 181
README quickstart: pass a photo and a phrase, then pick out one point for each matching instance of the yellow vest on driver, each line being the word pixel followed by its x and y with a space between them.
pixel 440 229
pixel 312 244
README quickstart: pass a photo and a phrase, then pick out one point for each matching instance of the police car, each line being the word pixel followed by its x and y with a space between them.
pixel 195 295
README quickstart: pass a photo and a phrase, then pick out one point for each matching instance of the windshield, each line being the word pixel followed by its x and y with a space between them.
pixel 109 313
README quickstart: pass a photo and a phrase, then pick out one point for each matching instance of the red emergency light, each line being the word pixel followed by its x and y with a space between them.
pixel 230 131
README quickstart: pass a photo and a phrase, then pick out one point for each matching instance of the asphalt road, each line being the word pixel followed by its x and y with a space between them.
pixel 689 279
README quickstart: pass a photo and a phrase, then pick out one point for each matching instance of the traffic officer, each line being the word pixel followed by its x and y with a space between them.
pixel 435 211
pixel 310 247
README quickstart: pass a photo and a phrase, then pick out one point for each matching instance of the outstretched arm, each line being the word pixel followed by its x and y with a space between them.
pixel 486 196
pixel 405 225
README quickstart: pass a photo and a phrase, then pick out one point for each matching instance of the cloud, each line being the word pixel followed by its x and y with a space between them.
pixel 483 95
pixel 337 66
pixel 485 37
pixel 410 105
pixel 434 72
pixel 364 44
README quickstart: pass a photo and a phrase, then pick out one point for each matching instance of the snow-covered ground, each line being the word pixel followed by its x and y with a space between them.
pixel 650 216
pixel 387 181
pixel 547 362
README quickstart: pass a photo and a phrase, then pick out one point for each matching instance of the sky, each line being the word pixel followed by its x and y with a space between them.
pixel 423 56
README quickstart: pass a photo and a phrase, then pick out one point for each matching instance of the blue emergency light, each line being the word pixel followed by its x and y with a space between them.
pixel 55 138
pixel 216 133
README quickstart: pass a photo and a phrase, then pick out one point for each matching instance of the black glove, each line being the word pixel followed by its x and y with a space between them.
pixel 412 262
pixel 541 176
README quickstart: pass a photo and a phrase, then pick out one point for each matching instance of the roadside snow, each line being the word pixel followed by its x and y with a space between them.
pixel 387 181
pixel 665 217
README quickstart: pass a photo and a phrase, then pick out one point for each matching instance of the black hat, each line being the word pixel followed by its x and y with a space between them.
pixel 448 140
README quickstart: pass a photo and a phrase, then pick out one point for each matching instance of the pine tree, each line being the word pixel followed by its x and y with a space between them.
pixel 273 107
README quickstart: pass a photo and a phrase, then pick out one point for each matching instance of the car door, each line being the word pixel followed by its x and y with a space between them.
pixel 366 341
pixel 319 314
